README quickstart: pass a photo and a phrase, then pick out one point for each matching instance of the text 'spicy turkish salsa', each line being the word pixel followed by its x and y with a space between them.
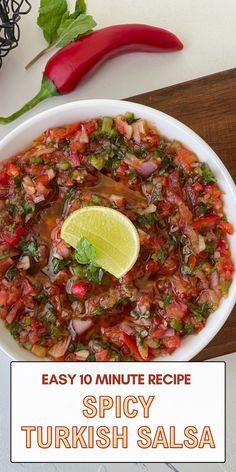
pixel 54 306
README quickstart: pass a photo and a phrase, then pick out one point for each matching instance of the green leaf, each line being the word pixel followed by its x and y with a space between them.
pixel 71 29
pixel 58 264
pixel 148 219
pixel 186 270
pixel 97 275
pixel 206 173
pixel 10 274
pixel 160 256
pixel 80 6
pixel 50 16
pixel 30 248
pixel 84 252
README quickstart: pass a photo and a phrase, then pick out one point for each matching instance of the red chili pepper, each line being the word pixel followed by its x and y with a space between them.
pixel 16 236
pixel 72 63
pixel 79 289
pixel 205 222
pixel 131 344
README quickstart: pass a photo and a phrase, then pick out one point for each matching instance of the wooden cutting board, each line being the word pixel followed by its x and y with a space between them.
pixel 208 106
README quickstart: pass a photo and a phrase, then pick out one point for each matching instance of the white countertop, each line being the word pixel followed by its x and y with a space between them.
pixel 207 29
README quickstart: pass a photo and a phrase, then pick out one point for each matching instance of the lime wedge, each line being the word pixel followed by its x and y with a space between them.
pixel 113 236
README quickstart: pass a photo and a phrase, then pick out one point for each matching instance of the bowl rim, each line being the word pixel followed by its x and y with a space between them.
pixel 199 344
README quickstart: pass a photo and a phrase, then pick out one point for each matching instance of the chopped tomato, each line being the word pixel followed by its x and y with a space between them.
pixel 225 226
pixel 152 267
pixel 158 333
pixel 221 247
pixel 4 178
pixel 80 289
pixel 76 146
pixel 205 222
pixel 13 170
pixel 213 190
pixel 176 310
pixel 198 187
pixel 42 179
pixel 90 127
pixel 62 133
pixel 27 287
pixel 170 265
pixel 115 334
pixel 192 261
pixel 15 238
pixel 171 342
pixel 102 355
pixel 185 158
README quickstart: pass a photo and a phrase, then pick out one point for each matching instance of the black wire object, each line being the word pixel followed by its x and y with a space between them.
pixel 10 13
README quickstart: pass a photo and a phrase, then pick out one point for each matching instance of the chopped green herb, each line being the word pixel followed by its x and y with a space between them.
pixel 84 252
pixel 130 118
pixel 42 340
pixel 10 274
pixel 12 209
pixel 43 297
pixel 160 256
pixel 202 209
pixel 210 247
pixel 79 347
pixel 148 219
pixel 91 357
pixel 28 207
pixel 17 181
pixel 157 193
pixel 166 164
pixel 186 270
pixel 161 149
pixel 30 248
pixel 99 310
pixel 201 310
pixel 79 271
pixel 36 160
pixel 59 264
pixel 188 329
pixel 139 151
pixel 97 275
pixel 15 328
pixel 138 315
pixel 206 173
pixel 168 299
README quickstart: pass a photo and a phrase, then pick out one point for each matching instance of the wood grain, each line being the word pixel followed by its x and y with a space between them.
pixel 208 106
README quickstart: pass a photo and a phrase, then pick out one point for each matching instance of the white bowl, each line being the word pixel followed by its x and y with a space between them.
pixel 23 135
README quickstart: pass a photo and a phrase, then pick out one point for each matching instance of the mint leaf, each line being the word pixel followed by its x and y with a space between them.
pixel 71 29
pixel 50 16
pixel 84 252
pixel 80 6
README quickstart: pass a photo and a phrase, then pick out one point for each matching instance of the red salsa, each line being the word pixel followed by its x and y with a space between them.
pixel 55 306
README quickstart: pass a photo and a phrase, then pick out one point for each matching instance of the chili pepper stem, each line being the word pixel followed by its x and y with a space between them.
pixel 39 55
pixel 47 90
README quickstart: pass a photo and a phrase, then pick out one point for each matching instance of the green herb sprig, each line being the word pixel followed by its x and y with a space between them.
pixel 61 27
